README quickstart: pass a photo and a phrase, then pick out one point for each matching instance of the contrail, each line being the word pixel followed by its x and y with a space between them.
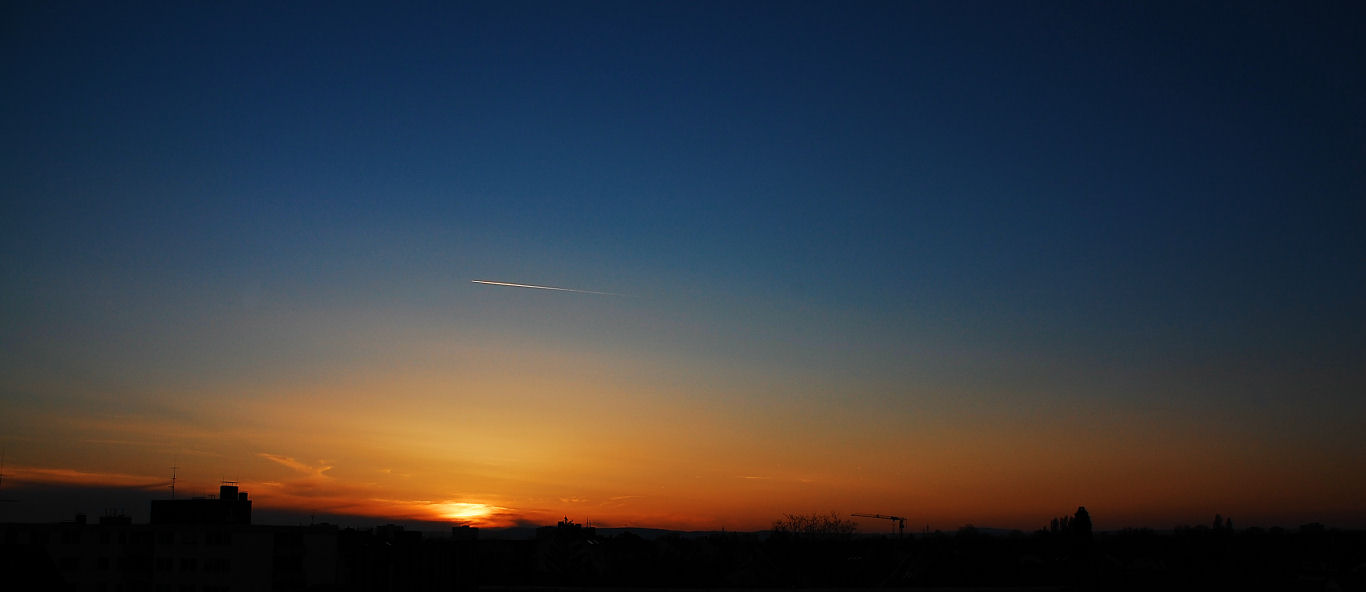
pixel 512 285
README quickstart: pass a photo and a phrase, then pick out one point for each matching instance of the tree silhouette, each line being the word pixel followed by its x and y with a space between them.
pixel 1081 523
pixel 1082 543
pixel 814 526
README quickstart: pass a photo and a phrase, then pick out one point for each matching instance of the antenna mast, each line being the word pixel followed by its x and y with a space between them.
pixel 173 468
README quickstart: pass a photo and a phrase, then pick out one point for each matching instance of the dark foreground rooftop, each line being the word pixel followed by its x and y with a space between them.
pixel 113 553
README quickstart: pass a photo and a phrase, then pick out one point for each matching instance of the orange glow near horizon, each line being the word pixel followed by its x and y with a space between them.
pixel 495 444
pixel 741 503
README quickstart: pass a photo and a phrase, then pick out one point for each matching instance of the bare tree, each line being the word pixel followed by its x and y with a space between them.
pixel 814 526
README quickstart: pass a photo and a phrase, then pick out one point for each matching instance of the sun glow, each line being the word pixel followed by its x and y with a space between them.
pixel 462 511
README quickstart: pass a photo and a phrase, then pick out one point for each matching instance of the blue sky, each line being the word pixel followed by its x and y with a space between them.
pixel 930 212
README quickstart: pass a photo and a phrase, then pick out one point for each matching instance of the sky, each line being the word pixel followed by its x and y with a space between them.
pixel 963 262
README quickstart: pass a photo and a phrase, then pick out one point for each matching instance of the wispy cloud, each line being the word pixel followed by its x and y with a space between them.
pixel 535 287
pixel 303 468
pixel 60 476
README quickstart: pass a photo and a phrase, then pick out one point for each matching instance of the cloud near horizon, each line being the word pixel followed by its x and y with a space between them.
pixel 314 492
pixel 63 476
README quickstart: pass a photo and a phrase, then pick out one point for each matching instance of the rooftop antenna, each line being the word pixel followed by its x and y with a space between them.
pixel 173 468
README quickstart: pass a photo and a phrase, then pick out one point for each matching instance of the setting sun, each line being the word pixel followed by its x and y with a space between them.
pixel 462 511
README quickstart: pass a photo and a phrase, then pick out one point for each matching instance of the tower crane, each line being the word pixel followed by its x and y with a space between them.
pixel 900 521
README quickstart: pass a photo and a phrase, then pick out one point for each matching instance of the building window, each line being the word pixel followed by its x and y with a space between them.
pixel 189 564
pixel 71 564
pixel 165 564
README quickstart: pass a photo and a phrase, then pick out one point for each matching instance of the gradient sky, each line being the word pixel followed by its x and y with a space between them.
pixel 965 262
